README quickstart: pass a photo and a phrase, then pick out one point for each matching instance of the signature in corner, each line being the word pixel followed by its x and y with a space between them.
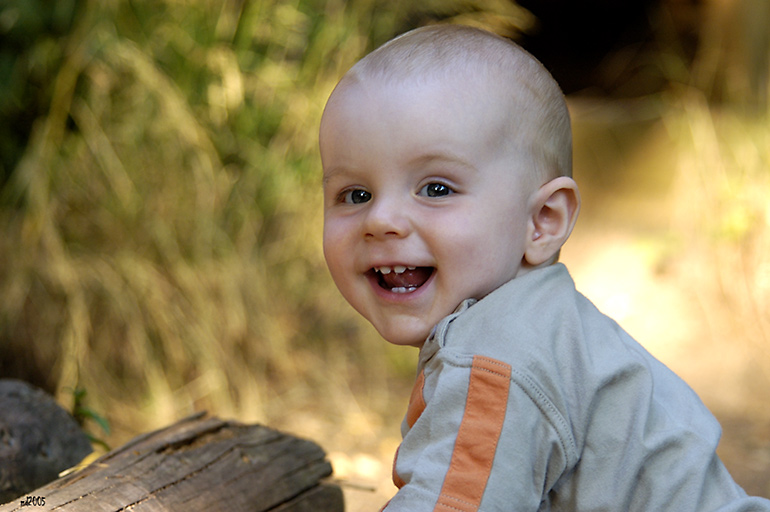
pixel 33 501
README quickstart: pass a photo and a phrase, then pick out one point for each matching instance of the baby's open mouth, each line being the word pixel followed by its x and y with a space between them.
pixel 402 279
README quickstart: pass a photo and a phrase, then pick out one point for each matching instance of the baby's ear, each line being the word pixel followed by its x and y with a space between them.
pixel 553 212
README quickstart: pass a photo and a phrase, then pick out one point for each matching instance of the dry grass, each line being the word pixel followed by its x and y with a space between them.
pixel 162 228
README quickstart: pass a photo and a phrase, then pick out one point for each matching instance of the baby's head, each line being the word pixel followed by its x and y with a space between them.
pixel 447 158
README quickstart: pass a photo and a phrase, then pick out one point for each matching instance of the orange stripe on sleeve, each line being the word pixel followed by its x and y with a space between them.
pixel 397 480
pixel 416 401
pixel 477 438
pixel 413 412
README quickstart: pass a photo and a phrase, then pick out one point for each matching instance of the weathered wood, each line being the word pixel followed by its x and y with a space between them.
pixel 38 439
pixel 199 464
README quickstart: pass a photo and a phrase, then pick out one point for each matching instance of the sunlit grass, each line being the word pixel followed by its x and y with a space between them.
pixel 161 244
pixel 723 215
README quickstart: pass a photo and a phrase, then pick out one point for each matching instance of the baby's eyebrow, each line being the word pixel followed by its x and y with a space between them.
pixel 440 158
pixel 332 173
pixel 433 158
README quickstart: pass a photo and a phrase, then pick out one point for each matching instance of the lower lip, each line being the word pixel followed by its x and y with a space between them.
pixel 395 297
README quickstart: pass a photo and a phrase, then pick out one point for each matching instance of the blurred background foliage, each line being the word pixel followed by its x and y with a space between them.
pixel 160 202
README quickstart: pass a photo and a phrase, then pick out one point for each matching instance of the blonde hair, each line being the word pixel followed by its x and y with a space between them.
pixel 538 118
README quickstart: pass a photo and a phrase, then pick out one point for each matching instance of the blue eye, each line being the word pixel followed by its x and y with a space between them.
pixel 435 190
pixel 356 196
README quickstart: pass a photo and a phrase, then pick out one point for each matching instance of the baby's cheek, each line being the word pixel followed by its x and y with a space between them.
pixel 334 235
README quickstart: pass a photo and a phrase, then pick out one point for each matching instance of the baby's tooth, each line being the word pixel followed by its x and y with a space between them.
pixel 399 269
pixel 412 268
pixel 385 270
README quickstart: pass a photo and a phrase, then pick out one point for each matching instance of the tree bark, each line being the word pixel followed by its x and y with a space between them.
pixel 197 464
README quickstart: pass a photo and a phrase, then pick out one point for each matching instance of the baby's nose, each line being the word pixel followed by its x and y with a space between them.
pixel 385 219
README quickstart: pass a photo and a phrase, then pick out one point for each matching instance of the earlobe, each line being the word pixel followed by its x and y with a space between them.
pixel 553 212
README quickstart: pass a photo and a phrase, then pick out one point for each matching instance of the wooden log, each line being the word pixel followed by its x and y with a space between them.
pixel 198 464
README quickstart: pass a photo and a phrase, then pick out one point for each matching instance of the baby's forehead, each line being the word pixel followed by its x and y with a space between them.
pixel 504 105
pixel 475 63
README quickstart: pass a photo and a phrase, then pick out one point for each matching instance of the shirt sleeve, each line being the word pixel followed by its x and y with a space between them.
pixel 465 410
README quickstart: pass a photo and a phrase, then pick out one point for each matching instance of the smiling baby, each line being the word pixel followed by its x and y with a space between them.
pixel 448 195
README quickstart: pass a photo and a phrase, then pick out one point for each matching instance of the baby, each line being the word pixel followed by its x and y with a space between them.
pixel 447 159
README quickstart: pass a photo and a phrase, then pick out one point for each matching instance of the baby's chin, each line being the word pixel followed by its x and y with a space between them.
pixel 404 338
pixel 406 342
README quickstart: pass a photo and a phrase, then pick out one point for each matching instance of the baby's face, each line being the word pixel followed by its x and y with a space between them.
pixel 423 206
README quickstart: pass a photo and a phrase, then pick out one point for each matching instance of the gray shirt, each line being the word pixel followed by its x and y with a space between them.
pixel 532 400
